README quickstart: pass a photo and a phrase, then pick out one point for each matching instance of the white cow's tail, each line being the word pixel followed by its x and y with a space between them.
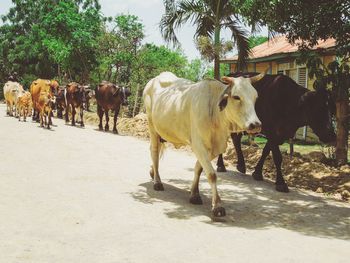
pixel 162 149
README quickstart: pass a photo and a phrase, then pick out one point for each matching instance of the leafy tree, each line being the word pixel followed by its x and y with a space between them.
pixel 196 70
pixel 304 19
pixel 118 48
pixel 70 36
pixel 209 17
pixel 150 61
pixel 311 21
pixel 39 37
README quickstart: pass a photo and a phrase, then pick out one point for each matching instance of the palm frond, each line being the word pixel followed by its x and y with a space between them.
pixel 177 14
pixel 240 37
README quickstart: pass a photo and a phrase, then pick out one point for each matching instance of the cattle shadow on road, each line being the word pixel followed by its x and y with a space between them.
pixel 254 205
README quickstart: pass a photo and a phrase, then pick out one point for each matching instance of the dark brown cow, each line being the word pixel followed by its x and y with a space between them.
pixel 109 97
pixel 283 106
pixel 60 102
pixel 75 97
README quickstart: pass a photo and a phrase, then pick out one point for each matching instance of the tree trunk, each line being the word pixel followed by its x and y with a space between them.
pixel 137 104
pixel 341 151
pixel 216 53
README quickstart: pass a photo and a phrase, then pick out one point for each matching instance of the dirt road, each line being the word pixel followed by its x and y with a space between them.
pixel 79 195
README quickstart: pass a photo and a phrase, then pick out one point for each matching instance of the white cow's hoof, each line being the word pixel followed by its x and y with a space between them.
pixel 158 187
pixel 196 199
pixel 219 212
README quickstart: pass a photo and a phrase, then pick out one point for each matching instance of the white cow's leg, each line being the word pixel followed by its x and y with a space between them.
pixel 19 113
pixel 155 151
pixel 11 109
pixel 195 197
pixel 7 108
pixel 204 158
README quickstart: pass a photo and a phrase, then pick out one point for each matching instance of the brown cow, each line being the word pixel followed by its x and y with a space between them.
pixel 38 86
pixel 109 97
pixel 44 105
pixel 25 105
pixel 60 102
pixel 75 97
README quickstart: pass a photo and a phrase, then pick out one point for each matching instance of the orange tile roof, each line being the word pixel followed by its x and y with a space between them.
pixel 279 45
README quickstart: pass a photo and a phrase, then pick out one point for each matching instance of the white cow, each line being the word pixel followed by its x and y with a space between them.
pixel 12 90
pixel 201 115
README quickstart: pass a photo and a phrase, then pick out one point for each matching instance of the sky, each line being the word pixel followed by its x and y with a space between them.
pixel 149 12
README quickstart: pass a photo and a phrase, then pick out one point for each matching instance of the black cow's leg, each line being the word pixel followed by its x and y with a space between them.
pixel 100 115
pixel 66 114
pixel 50 117
pixel 59 112
pixel 81 116
pixel 116 112
pixel 107 120
pixel 195 197
pixel 220 167
pixel 37 118
pixel 34 115
pixel 73 115
pixel 257 174
pixel 281 185
pixel 236 138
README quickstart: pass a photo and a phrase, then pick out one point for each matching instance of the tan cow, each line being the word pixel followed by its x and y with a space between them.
pixel 24 105
pixel 201 115
pixel 12 90
pixel 38 86
pixel 44 106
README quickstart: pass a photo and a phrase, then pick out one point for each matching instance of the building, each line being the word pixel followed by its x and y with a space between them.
pixel 279 56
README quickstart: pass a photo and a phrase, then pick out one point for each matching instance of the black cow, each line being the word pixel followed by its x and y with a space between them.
pixel 109 97
pixel 283 106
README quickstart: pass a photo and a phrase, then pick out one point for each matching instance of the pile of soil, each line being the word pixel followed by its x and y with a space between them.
pixel 307 171
pixel 136 126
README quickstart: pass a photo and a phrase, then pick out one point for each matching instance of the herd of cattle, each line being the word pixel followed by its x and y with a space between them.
pixel 202 115
pixel 46 95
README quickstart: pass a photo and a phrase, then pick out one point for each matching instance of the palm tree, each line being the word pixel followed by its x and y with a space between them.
pixel 209 17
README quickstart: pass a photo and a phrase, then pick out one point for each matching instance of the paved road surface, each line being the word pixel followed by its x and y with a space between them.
pixel 79 195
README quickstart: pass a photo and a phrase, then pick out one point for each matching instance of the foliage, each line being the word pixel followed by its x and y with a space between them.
pixel 209 17
pixel 196 70
pixel 209 50
pixel 305 19
pixel 118 48
pixel 256 40
pixel 224 69
pixel 151 60
pixel 40 37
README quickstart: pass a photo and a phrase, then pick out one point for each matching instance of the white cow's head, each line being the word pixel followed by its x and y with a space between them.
pixel 238 101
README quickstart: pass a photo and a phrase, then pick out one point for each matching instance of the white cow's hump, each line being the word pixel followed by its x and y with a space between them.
pixel 167 79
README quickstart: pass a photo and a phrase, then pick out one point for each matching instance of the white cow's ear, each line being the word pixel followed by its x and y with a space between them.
pixel 224 96
pixel 223 102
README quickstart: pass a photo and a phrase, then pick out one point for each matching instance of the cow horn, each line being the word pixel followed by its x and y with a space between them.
pixel 258 77
pixel 227 80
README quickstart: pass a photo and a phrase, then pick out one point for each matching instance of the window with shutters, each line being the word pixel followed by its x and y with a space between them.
pixel 302 78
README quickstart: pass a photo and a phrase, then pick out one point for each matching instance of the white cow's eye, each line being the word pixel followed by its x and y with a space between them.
pixel 236 98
